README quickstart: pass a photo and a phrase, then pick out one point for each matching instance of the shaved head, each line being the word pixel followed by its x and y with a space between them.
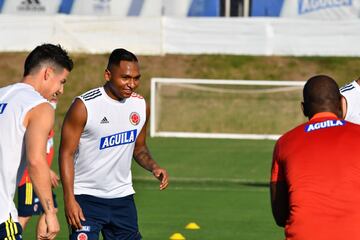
pixel 321 94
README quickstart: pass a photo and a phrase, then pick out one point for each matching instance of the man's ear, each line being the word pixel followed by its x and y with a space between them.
pixel 47 73
pixel 343 107
pixel 340 112
pixel 304 109
pixel 107 75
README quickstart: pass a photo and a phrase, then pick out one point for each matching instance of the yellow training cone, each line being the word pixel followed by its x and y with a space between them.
pixel 177 236
pixel 192 226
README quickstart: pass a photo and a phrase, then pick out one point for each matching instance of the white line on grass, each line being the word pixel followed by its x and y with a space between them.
pixel 214 189
pixel 206 180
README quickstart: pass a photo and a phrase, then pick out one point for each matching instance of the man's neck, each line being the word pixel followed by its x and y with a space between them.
pixel 30 81
pixel 112 92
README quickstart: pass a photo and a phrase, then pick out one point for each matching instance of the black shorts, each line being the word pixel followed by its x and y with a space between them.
pixel 28 202
pixel 115 218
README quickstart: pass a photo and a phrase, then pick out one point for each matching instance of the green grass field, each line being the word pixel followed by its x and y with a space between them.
pixel 222 185
pixel 219 184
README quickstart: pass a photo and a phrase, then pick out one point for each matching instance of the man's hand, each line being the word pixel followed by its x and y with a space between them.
pixel 163 177
pixel 41 227
pixel 54 178
pixel 74 214
pixel 51 227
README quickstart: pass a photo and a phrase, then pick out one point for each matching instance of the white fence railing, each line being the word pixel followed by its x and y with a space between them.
pixel 163 35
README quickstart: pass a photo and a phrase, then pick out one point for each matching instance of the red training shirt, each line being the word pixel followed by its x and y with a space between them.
pixel 320 162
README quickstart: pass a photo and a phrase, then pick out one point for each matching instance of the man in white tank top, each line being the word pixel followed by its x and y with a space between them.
pixel 351 101
pixel 103 130
pixel 26 118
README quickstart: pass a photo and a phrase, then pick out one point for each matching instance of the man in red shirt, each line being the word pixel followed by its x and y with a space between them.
pixel 315 176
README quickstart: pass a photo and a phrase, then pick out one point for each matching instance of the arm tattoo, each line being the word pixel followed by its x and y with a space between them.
pixel 144 158
pixel 48 204
pixel 143 155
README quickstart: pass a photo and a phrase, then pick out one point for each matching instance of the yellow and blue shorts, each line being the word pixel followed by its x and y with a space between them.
pixel 28 202
pixel 10 230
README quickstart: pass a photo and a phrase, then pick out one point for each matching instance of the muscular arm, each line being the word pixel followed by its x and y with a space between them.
pixel 73 126
pixel 143 157
pixel 38 122
pixel 279 194
pixel 279 202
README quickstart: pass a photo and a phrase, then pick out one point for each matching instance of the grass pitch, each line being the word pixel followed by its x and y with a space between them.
pixel 222 185
pixel 219 184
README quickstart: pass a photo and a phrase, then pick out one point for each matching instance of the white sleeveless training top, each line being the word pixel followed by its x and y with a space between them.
pixel 351 92
pixel 15 101
pixel 104 155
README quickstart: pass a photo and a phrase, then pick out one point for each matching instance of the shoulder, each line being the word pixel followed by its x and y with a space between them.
pixel 348 87
pixel 6 88
pixel 43 109
pixel 355 128
pixel 40 113
pixel 292 134
pixel 135 95
pixel 32 100
pixel 77 107
pixel 136 99
pixel 25 91
pixel 91 94
pixel 77 113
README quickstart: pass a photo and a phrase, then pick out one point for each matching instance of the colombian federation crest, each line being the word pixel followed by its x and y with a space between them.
pixel 36 207
pixel 82 236
pixel 134 118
